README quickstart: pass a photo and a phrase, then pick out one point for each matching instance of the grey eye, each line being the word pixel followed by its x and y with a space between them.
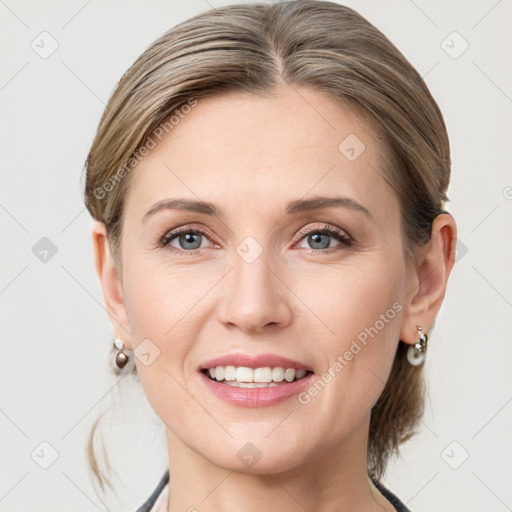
pixel 188 240
pixel 317 242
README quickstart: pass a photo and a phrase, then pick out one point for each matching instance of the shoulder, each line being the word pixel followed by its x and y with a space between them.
pixel 157 501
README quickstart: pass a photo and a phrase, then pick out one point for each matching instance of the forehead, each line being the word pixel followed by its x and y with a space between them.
pixel 247 150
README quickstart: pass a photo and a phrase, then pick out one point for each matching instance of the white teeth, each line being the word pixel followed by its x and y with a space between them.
pixel 263 374
pixel 219 373
pixel 260 377
pixel 278 374
pixel 244 374
pixel 289 374
pixel 230 373
pixel 299 374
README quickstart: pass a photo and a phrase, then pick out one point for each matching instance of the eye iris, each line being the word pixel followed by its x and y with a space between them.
pixel 315 238
pixel 189 238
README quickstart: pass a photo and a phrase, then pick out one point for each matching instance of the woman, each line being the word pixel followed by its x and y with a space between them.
pixel 268 184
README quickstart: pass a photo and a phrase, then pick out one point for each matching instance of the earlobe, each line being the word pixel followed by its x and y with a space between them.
pixel 110 282
pixel 435 262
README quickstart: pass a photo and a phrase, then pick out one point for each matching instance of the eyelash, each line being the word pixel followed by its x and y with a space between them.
pixel 336 233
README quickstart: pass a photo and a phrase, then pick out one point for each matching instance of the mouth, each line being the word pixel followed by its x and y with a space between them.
pixel 246 377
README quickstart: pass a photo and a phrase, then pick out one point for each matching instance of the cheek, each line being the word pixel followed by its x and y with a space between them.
pixel 160 311
pixel 358 311
pixel 166 305
pixel 160 296
pixel 363 310
pixel 366 293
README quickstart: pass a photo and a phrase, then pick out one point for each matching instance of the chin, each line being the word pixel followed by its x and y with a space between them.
pixel 260 462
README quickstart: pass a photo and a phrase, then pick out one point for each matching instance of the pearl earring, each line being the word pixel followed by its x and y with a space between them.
pixel 417 353
pixel 121 358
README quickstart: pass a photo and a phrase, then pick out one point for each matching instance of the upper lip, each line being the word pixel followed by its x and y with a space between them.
pixel 254 361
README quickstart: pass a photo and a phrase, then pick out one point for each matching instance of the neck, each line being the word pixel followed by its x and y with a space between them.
pixel 335 480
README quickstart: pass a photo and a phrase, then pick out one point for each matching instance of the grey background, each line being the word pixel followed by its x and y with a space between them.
pixel 55 334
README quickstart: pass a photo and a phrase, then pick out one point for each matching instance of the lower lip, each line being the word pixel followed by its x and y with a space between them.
pixel 255 397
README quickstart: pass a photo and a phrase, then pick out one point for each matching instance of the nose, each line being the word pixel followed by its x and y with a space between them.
pixel 256 297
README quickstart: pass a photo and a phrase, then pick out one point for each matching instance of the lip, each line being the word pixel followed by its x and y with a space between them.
pixel 256 397
pixel 254 361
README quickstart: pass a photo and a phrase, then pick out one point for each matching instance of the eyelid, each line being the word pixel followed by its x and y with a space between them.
pixel 326 228
pixel 163 240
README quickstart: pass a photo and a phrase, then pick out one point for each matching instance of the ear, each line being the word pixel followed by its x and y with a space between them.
pixel 111 283
pixel 429 278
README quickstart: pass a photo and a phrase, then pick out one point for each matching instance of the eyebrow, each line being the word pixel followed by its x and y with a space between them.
pixel 293 207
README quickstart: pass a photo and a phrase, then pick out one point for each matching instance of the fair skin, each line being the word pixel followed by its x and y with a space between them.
pixel 250 156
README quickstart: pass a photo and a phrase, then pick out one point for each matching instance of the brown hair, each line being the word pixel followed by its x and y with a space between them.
pixel 254 48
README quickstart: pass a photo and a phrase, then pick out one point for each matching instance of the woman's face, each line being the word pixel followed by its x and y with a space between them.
pixel 261 279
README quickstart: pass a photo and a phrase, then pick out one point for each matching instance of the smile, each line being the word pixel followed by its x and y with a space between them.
pixel 245 377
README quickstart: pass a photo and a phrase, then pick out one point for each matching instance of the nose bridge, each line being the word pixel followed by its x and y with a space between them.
pixel 255 297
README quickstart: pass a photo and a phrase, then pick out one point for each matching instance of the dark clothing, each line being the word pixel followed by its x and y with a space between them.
pixel 399 506
pixel 148 504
